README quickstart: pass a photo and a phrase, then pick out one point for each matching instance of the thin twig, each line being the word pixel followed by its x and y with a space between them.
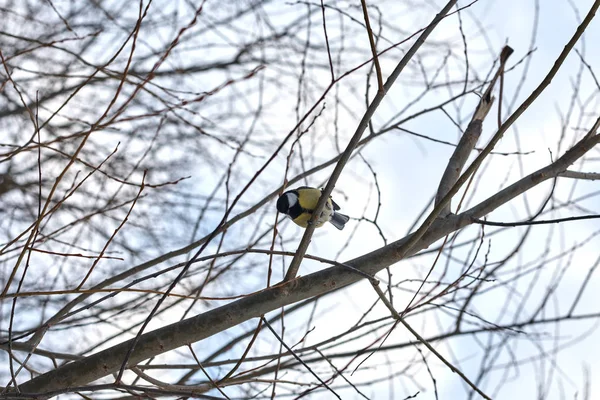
pixel 297 357
pixel 205 372
pixel 543 222
pixel 373 47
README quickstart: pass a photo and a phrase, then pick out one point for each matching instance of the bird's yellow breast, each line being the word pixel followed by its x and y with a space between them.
pixel 308 197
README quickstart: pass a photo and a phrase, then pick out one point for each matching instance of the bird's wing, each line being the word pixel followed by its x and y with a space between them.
pixel 335 205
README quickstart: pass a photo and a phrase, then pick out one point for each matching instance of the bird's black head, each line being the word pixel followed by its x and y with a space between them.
pixel 287 201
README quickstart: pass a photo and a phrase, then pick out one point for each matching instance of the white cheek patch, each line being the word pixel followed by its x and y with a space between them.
pixel 291 199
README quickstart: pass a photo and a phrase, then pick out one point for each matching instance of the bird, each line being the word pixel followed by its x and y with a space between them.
pixel 299 204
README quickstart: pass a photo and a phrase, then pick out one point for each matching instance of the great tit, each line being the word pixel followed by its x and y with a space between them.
pixel 299 204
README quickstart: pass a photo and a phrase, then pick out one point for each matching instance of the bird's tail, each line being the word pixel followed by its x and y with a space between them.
pixel 339 220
